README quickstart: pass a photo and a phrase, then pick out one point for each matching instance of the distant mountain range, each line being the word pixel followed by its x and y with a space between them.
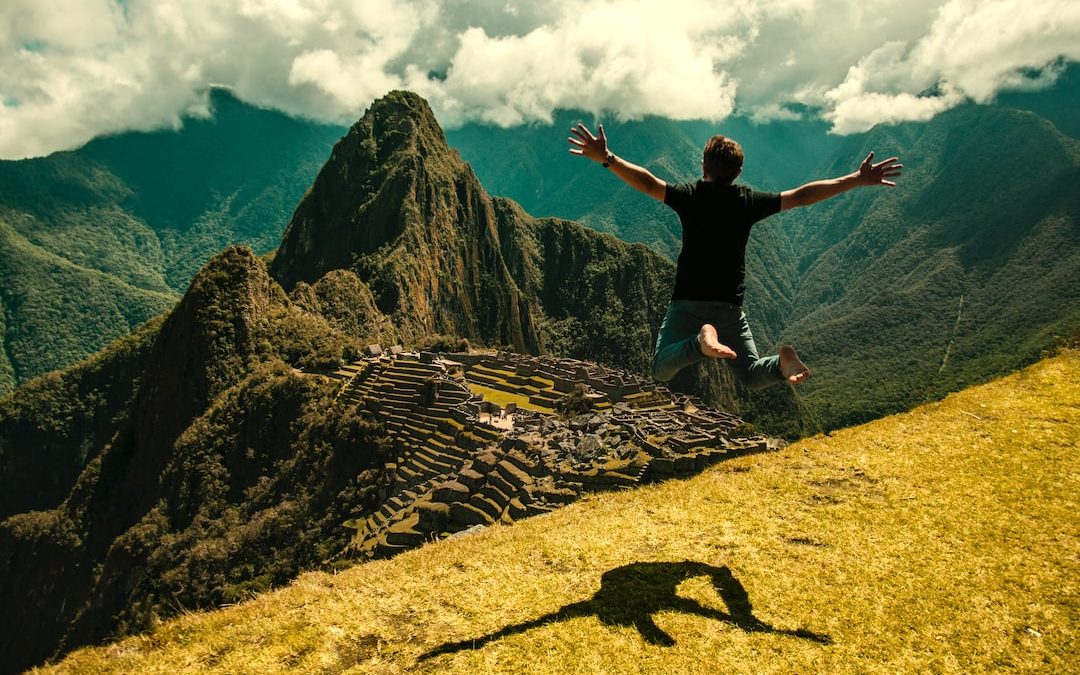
pixel 98 240
pixel 103 238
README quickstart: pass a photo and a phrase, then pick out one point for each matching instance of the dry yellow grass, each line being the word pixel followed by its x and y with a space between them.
pixel 941 540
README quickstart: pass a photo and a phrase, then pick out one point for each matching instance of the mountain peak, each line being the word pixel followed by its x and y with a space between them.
pixel 360 200
pixel 392 194
pixel 402 102
pixel 403 126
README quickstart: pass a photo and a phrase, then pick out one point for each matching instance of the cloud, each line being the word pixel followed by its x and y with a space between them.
pixel 74 69
pixel 973 50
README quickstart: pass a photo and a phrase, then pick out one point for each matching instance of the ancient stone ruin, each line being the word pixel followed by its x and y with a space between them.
pixel 477 438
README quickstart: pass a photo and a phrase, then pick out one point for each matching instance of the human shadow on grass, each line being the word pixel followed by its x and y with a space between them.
pixel 630 595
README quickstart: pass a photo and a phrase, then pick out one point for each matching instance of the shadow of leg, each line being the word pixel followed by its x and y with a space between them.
pixel 652 633
pixel 746 622
pixel 568 612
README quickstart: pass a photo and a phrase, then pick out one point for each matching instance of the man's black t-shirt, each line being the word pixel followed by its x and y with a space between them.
pixel 716 220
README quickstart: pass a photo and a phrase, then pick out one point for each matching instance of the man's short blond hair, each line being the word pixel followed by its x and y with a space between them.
pixel 722 159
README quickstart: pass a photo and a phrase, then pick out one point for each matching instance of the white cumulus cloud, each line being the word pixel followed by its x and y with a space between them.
pixel 71 70
pixel 973 49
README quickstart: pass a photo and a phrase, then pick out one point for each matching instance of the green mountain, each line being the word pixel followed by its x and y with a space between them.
pixel 401 211
pixel 966 271
pixel 100 239
pixel 191 463
pixel 145 455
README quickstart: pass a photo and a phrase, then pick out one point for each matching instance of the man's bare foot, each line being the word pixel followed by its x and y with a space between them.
pixel 710 345
pixel 791 367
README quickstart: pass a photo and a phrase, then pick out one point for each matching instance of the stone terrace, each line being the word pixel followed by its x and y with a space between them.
pixel 460 461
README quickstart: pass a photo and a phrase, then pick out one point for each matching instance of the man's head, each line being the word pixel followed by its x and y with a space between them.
pixel 722 160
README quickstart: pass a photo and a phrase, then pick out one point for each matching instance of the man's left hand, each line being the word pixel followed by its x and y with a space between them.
pixel 587 145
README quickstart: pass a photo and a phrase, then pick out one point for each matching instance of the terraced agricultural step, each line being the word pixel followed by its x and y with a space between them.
pixel 488 380
pixel 512 473
pixel 496 480
pixel 516 509
pixel 419 367
pixel 467 514
pixel 440 455
pixel 422 426
pixel 424 471
pixel 496 495
pixel 409 474
pixel 486 505
pixel 435 442
pixel 491 370
pixel 436 465
pixel 405 380
pixel 458 454
pixel 404 533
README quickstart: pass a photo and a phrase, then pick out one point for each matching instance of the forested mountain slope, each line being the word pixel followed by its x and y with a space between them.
pixel 967 270
pixel 102 238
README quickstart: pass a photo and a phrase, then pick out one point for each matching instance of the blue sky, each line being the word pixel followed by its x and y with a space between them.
pixel 73 69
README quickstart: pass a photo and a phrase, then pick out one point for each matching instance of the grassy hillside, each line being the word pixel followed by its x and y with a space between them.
pixel 943 539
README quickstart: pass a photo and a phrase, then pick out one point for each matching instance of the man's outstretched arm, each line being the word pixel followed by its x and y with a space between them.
pixel 595 148
pixel 868 174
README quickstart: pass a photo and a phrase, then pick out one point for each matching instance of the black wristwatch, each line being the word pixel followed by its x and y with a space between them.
pixel 609 159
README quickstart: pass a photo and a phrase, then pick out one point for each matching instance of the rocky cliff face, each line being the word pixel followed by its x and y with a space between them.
pixel 398 207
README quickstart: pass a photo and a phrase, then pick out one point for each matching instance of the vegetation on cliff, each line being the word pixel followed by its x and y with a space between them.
pixel 185 466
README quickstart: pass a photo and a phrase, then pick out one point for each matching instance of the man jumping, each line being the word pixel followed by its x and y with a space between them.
pixel 705 317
